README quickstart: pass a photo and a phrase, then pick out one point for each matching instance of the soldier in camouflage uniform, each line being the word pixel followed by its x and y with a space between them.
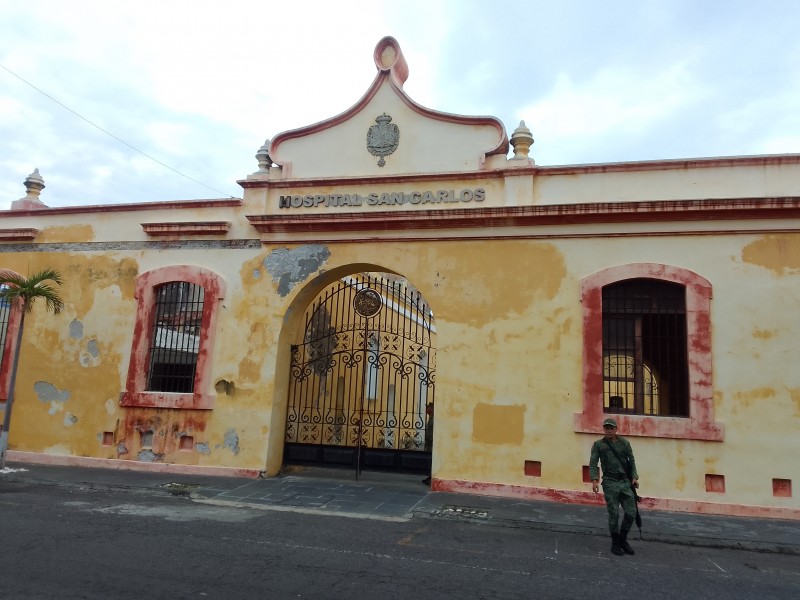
pixel 616 485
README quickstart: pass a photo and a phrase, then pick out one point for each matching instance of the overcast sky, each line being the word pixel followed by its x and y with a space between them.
pixel 199 85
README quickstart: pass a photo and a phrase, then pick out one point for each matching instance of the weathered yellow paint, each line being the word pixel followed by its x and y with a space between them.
pixel 779 253
pixel 794 393
pixel 711 464
pixel 492 424
pixel 67 233
pixel 561 328
pixel 764 334
pixel 747 398
pixel 476 282
pixel 253 273
pixel 680 479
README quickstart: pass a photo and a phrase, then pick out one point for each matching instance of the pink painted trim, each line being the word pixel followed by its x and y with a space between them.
pixel 12 331
pixel 673 164
pixel 290 221
pixel 398 68
pixel 700 424
pixel 298 239
pixel 25 234
pixel 135 393
pixel 170 400
pixel 396 74
pixel 371 179
pixel 187 228
pixel 128 465
pixel 545 171
pixel 107 208
pixel 590 498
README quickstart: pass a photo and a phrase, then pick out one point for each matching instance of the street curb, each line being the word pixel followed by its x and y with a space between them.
pixel 661 538
pixel 99 487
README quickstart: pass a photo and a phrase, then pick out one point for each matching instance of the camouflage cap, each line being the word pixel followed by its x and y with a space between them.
pixel 609 423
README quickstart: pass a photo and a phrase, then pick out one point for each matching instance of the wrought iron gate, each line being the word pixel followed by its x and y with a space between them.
pixel 362 382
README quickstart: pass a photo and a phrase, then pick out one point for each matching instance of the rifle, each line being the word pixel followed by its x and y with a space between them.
pixel 626 465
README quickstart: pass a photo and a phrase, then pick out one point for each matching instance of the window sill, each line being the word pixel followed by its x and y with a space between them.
pixel 167 400
pixel 658 427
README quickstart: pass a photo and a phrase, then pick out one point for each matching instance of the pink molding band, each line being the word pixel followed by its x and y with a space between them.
pixel 187 228
pixel 24 234
pixel 128 465
pixel 531 216
pixel 590 498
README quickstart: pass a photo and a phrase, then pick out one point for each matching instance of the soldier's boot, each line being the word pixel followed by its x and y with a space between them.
pixel 615 547
pixel 623 542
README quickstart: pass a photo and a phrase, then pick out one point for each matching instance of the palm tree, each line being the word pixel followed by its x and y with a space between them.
pixel 20 293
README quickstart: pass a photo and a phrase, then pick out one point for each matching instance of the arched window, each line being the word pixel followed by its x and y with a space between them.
pixel 173 338
pixel 647 352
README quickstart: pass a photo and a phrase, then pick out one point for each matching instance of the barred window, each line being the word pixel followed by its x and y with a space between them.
pixel 9 327
pixel 645 370
pixel 175 337
pixel 647 352
pixel 5 313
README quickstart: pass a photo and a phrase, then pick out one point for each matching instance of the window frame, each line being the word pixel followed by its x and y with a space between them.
pixel 12 334
pixel 700 424
pixel 636 334
pixel 135 393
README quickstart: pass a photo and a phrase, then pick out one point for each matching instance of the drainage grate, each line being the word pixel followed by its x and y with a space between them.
pixel 471 512
pixel 180 489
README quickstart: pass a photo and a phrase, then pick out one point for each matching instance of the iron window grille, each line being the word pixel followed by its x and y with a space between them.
pixel 175 338
pixel 645 363
pixel 5 313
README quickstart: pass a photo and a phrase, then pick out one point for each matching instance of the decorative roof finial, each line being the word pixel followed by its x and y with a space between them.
pixel 521 140
pixel 389 57
pixel 34 184
pixel 263 158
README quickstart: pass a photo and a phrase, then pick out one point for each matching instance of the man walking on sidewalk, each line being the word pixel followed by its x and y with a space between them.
pixel 619 478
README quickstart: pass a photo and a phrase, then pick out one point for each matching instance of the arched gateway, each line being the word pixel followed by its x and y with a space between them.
pixel 361 387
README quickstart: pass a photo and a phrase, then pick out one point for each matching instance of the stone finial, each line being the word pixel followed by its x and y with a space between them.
pixel 521 140
pixel 34 184
pixel 264 160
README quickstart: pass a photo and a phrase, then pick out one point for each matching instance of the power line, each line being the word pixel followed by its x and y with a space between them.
pixel 61 104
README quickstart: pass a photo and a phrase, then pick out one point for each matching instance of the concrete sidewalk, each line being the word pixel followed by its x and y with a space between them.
pixel 403 497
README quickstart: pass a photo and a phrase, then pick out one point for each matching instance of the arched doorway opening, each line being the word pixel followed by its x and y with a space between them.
pixel 362 378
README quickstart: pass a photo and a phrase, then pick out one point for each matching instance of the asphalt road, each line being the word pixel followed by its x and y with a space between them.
pixel 67 543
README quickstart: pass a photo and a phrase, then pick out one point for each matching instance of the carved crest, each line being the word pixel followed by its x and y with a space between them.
pixel 367 302
pixel 382 139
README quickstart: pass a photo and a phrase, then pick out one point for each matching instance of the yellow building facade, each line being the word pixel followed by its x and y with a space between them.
pixel 394 258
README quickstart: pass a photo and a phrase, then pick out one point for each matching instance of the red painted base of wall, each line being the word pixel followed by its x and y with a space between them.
pixel 578 497
pixel 130 465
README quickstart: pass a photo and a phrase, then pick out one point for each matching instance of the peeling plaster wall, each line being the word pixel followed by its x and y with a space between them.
pixel 73 366
pixel 509 344
pixel 509 348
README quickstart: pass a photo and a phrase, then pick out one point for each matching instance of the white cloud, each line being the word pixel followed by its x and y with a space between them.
pixel 613 102
pixel 200 84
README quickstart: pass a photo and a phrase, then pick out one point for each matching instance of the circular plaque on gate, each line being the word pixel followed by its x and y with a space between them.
pixel 367 302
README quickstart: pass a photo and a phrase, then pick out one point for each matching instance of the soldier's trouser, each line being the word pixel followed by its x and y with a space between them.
pixel 619 493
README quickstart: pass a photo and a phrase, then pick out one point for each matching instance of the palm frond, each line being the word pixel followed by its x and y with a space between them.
pixel 28 289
